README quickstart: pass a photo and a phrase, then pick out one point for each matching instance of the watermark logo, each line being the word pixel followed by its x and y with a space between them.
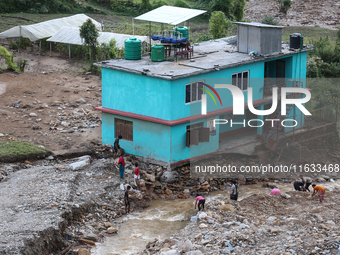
pixel 238 100
pixel 204 97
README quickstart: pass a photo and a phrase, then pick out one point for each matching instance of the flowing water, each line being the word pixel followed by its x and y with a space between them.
pixel 164 218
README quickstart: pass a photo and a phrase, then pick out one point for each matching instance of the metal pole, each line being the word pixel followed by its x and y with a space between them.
pixel 19 39
pixel 150 34
pixel 40 46
pixel 50 49
pixel 69 51
pixel 133 27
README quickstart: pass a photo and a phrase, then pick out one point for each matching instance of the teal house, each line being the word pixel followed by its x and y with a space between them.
pixel 157 106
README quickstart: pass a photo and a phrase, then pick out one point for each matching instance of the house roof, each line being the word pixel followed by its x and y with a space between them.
pixel 254 24
pixel 48 28
pixel 208 56
pixel 170 15
pixel 71 35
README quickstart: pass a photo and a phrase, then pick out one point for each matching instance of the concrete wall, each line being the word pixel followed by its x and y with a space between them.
pixel 150 140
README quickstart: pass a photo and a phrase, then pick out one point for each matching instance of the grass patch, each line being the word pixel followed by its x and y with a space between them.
pixel 309 33
pixel 12 151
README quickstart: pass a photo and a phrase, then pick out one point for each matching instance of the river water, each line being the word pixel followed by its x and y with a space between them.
pixel 164 218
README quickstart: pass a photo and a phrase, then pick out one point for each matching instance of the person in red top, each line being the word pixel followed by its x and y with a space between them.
pixel 201 202
pixel 121 164
pixel 137 176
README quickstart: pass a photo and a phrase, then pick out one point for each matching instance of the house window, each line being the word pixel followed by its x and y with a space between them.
pixel 124 128
pixel 193 92
pixel 241 79
pixel 197 134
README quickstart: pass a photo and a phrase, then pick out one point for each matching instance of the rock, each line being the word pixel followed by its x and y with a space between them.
pixel 169 177
pixel 92 237
pixel 107 224
pixel 171 252
pixel 82 251
pixel 326 177
pixel 227 208
pixel 210 220
pixel 28 162
pixel 275 230
pixel 81 101
pixel 286 196
pixel 277 223
pixel 184 247
pixel 324 227
pixel 112 230
pixel 150 177
pixel 182 196
pixel 168 192
pixel 32 114
pixel 196 252
pixel 272 219
pixel 202 215
pixel 50 157
pixel 193 218
pixel 186 192
pixel 216 225
pixel 202 225
pixel 82 163
pixel 85 241
pixel 320 179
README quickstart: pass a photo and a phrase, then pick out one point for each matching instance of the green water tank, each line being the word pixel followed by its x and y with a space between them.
pixel 157 53
pixel 183 30
pixel 133 49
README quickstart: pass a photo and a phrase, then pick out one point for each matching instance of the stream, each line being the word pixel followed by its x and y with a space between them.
pixel 164 218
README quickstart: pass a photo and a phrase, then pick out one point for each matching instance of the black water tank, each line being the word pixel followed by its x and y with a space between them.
pixel 296 41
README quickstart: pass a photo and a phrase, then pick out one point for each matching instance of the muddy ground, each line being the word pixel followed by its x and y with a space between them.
pixel 51 104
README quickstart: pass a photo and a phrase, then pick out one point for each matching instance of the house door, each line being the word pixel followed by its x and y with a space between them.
pixel 280 71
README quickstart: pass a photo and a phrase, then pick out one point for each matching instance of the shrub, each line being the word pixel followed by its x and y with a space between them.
pixel 8 59
pixel 285 5
pixel 238 9
pixel 204 37
pixel 158 3
pixel 270 20
pixel 21 63
pixel 219 25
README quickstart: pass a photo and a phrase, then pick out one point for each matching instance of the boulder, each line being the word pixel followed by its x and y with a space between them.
pixel 82 251
pixel 112 230
pixel 184 247
pixel 202 215
pixel 82 162
pixel 272 219
pixel 150 177
pixel 202 225
pixel 168 192
pixel 227 208
pixel 171 252
pixel 107 224
pixel 169 177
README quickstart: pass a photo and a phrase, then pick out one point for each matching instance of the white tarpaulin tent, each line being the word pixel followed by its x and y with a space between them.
pixel 48 28
pixel 170 15
pixel 71 35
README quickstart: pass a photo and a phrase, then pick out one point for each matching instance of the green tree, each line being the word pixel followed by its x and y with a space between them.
pixel 8 59
pixel 238 9
pixel 89 33
pixel 219 24
pixel 225 6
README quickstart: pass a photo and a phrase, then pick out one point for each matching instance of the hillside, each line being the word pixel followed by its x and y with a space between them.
pixel 325 14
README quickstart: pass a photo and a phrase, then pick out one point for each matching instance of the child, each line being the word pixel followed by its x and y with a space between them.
pixel 234 192
pixel 126 200
pixel 137 176
pixel 121 164
pixel 201 202
pixel 321 190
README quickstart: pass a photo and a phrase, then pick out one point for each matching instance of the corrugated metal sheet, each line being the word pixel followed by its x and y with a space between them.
pixel 263 39
pixel 70 35
pixel 47 28
pixel 170 15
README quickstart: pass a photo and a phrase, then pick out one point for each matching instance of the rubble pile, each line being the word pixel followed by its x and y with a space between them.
pixel 259 224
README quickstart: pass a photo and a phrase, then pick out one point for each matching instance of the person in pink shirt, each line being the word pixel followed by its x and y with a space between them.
pixel 201 202
pixel 275 191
